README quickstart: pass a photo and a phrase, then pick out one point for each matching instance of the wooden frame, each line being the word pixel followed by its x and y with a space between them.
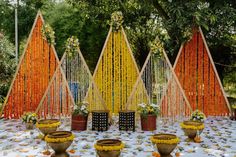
pixel 121 37
pixel 207 76
pixel 23 57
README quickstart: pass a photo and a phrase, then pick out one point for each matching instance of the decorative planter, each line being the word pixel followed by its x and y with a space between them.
pixel 127 120
pixel 48 125
pixel 100 120
pixel 148 123
pixel 165 143
pixel 29 126
pixel 79 122
pixel 109 148
pixel 59 141
pixel 190 128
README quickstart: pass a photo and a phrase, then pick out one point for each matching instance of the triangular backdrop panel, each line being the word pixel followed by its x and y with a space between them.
pixel 68 86
pixel 57 100
pixel 162 87
pixel 116 71
pixel 196 71
pixel 80 81
pixel 35 69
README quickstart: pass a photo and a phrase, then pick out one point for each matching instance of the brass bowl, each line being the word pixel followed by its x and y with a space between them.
pixel 191 133
pixel 46 130
pixel 108 142
pixel 163 148
pixel 60 147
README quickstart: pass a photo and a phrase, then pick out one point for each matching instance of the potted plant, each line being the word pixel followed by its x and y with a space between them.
pixel 80 117
pixel 194 125
pixel 148 114
pixel 29 119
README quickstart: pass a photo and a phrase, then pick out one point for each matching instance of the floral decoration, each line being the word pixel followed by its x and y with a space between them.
pixel 81 108
pixel 194 127
pixel 147 109
pixel 48 34
pixel 116 20
pixel 166 141
pixel 48 125
pixel 72 46
pixel 157 48
pixel 198 116
pixel 109 148
pixel 29 117
pixel 61 140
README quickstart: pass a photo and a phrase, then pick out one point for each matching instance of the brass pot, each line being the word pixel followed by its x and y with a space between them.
pixel 191 133
pixel 163 148
pixel 108 142
pixel 59 147
pixel 29 126
pixel 46 130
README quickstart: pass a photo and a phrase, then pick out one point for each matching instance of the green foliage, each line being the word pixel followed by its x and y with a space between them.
pixel 172 21
pixel 7 65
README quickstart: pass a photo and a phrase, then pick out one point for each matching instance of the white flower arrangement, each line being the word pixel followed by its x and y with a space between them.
pixel 81 108
pixel 29 118
pixel 145 109
pixel 198 116
pixel 116 20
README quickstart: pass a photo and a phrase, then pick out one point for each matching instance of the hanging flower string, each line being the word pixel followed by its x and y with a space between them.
pixel 48 34
pixel 116 20
pixel 72 45
pixel 157 48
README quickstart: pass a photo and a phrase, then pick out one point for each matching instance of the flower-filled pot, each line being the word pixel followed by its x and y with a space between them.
pixel 148 123
pixel 79 122
pixel 148 114
pixel 29 119
pixel 191 128
pixel 109 147
pixel 80 116
pixel 59 141
pixel 48 125
pixel 165 143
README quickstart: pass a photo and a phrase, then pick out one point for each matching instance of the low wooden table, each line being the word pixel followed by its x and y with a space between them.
pixel 100 120
pixel 127 120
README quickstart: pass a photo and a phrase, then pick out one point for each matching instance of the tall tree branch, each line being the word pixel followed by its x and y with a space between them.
pixel 160 9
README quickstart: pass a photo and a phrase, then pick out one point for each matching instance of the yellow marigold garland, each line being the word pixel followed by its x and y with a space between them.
pixel 170 141
pixel 200 127
pixel 109 148
pixel 56 140
pixel 48 125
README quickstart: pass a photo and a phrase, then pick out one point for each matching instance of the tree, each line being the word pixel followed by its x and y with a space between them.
pixel 172 22
pixel 7 65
